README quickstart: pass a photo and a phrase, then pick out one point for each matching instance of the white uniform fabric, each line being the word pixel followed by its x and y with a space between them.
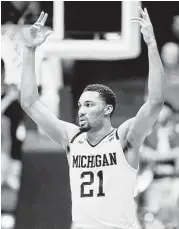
pixel 134 226
pixel 102 184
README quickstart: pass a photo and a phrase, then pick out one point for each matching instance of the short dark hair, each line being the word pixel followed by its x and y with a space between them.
pixel 106 94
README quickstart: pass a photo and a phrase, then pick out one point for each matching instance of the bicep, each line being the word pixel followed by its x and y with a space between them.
pixel 59 131
pixel 143 122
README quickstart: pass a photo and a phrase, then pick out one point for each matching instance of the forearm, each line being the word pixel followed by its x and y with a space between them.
pixel 29 88
pixel 157 78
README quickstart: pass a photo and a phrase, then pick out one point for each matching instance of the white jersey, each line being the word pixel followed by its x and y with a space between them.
pixel 102 184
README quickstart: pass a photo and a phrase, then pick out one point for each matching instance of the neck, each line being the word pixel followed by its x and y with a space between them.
pixel 95 135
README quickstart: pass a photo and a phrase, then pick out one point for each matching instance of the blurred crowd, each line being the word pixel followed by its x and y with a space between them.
pixel 13 123
pixel 157 191
pixel 13 133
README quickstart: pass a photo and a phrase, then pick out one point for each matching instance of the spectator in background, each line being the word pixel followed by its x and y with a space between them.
pixel 170 58
pixel 5 147
pixel 160 149
pixel 5 133
pixel 175 25
pixel 19 12
pixel 30 14
pixel 12 94
pixel 11 110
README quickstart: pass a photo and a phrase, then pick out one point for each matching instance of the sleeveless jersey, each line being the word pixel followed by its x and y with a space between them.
pixel 102 184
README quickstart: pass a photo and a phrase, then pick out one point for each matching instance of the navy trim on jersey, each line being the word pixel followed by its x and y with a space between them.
pixel 100 140
pixel 76 135
pixel 68 149
pixel 117 136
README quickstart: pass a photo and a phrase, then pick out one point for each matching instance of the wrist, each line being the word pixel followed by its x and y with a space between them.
pixel 152 43
pixel 29 49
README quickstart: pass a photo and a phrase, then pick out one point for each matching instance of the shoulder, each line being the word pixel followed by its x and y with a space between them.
pixel 77 138
pixel 71 129
pixel 124 127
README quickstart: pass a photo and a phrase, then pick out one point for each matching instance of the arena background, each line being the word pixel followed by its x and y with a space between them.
pixel 43 200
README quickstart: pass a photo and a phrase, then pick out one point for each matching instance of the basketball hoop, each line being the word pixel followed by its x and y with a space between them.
pixel 127 47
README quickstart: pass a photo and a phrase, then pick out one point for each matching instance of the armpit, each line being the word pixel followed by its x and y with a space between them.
pixel 127 147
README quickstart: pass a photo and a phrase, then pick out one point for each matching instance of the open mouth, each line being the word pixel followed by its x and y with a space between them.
pixel 82 121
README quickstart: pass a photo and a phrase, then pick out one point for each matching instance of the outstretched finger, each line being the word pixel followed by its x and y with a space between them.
pixel 140 23
pixel 144 15
pixel 147 15
pixel 44 19
pixel 138 20
pixel 34 27
pixel 40 17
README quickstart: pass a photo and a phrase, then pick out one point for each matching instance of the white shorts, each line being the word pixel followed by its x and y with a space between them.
pixel 135 226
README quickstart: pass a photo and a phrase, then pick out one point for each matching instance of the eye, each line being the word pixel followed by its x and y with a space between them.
pixel 88 104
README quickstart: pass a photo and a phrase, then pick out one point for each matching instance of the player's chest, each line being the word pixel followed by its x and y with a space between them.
pixel 103 156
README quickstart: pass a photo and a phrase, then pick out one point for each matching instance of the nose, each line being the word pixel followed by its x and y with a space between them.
pixel 81 112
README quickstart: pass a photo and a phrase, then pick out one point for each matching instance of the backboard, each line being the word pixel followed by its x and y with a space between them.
pixel 125 46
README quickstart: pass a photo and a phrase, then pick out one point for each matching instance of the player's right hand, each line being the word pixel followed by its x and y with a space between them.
pixel 35 35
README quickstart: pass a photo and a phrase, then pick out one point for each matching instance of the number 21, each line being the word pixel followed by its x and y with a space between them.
pixel 91 181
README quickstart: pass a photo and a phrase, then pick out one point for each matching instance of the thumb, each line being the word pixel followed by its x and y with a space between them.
pixel 48 33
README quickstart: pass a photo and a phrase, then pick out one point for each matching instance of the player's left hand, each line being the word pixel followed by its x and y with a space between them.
pixel 146 26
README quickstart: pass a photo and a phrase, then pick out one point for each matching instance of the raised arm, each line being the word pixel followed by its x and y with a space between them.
pixel 59 131
pixel 148 113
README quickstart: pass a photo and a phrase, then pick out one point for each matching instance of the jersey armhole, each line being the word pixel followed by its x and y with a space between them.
pixel 75 136
pixel 72 140
pixel 128 145
pixel 117 135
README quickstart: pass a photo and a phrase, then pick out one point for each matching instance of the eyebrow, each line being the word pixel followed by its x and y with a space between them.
pixel 87 101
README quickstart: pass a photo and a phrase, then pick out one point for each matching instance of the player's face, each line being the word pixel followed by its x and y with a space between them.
pixel 91 111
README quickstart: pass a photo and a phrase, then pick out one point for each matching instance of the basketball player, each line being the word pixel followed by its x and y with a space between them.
pixel 103 161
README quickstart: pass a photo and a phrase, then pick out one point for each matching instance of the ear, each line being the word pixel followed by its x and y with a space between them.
pixel 108 109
